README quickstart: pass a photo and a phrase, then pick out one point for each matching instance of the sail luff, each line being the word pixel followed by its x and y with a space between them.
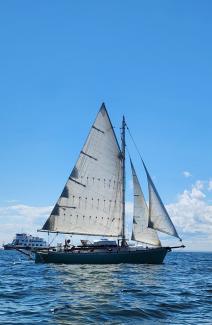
pixel 108 116
pixel 90 202
pixel 141 232
pixel 159 218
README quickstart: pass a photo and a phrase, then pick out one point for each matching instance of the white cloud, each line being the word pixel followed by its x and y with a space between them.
pixel 187 174
pixel 192 215
pixel 130 184
pixel 129 208
pixel 210 185
pixel 21 218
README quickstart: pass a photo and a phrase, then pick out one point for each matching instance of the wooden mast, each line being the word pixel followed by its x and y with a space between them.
pixel 123 243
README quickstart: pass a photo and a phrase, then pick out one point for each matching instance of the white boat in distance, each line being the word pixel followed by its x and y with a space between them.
pixel 26 242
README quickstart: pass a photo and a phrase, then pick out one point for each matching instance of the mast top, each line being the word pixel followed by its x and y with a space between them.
pixel 123 121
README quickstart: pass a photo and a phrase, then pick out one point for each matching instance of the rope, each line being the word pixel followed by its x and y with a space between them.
pixel 136 147
pixel 53 239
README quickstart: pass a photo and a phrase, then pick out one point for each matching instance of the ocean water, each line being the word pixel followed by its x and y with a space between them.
pixel 177 292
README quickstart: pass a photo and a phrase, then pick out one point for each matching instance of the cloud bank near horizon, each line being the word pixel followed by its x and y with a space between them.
pixel 191 214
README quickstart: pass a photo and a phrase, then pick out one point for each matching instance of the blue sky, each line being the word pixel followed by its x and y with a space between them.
pixel 149 60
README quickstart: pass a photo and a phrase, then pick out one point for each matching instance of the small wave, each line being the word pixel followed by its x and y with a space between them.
pixel 17 262
pixel 209 290
pixel 133 290
pixel 176 306
pixel 60 308
pixel 138 312
pixel 186 293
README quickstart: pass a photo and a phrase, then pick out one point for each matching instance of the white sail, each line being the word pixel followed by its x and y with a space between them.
pixel 159 218
pixel 91 202
pixel 140 231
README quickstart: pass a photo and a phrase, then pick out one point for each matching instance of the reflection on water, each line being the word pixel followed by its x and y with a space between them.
pixel 176 292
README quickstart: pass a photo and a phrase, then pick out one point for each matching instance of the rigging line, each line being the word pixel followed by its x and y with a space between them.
pixel 134 144
pixel 53 238
pixel 128 152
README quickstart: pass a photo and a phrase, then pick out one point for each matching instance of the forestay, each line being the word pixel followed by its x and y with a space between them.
pixel 90 203
pixel 141 232
pixel 158 216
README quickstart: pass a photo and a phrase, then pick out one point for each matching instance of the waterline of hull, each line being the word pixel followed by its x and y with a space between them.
pixel 144 256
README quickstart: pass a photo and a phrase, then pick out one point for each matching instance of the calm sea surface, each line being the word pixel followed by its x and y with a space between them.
pixel 177 292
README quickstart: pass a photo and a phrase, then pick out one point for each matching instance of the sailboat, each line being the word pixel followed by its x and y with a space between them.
pixel 92 203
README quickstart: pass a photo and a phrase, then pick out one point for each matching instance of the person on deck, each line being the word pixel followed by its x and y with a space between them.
pixel 67 244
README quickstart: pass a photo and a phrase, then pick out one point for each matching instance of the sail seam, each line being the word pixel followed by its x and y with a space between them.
pixel 86 154
pixel 67 207
pixel 73 180
pixel 95 128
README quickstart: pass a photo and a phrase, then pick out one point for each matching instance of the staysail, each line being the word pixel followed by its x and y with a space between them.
pixel 140 231
pixel 91 201
pixel 159 218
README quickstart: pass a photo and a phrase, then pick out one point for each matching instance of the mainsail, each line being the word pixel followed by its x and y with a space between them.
pixel 159 218
pixel 140 231
pixel 91 201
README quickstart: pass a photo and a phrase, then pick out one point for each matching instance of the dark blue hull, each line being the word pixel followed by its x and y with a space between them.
pixel 142 256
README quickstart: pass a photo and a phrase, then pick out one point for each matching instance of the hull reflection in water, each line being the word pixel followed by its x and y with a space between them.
pixel 139 256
